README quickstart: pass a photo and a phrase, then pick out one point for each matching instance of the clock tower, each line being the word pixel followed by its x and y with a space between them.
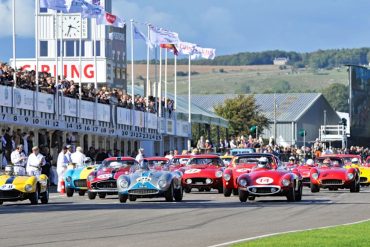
pixel 68 29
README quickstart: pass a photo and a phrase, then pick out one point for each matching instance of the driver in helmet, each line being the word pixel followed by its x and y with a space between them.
pixel 326 163
pixel 310 163
pixel 263 163
pixel 144 165
pixel 355 162
pixel 9 170
pixel 292 162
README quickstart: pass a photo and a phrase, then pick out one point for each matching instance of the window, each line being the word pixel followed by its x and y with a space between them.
pixel 43 48
pixel 70 48
pixel 58 48
pixel 82 48
pixel 43 10
pixel 97 48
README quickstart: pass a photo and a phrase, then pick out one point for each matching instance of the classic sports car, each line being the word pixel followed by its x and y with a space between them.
pixel 147 182
pixel 304 171
pixel 178 161
pixel 203 172
pixel 242 163
pixel 331 174
pixel 103 180
pixel 19 188
pixel 76 179
pixel 158 163
pixel 264 180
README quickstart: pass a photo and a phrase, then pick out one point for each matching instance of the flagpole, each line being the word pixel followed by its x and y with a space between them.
pixel 61 46
pixel 14 49
pixel 37 51
pixel 189 99
pixel 56 60
pixel 160 83
pixel 165 82
pixel 175 81
pixel 147 71
pixel 80 69
pixel 132 60
pixel 96 72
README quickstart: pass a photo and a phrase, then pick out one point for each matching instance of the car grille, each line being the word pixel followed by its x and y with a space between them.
pixel 143 192
pixel 306 180
pixel 363 179
pixel 263 190
pixel 10 194
pixel 200 181
pixel 109 184
pixel 332 182
pixel 80 183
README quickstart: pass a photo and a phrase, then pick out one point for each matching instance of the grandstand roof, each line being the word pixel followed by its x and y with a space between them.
pixel 198 114
pixel 290 106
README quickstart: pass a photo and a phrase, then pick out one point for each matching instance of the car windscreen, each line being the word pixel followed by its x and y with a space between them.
pixel 242 151
pixel 157 162
pixel 179 161
pixel 117 164
pixel 205 161
pixel 251 159
pixel 334 162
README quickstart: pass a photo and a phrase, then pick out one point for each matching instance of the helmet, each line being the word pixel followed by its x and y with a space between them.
pixel 9 170
pixel 310 162
pixel 354 161
pixel 291 158
pixel 262 162
pixel 144 165
pixel 326 161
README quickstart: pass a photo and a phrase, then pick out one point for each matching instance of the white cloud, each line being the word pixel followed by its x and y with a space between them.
pixel 24 20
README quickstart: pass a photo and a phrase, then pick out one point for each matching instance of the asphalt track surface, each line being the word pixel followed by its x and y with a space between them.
pixel 202 219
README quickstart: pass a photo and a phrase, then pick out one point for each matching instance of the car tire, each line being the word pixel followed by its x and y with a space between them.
pixel 243 196
pixel 235 192
pixel 201 189
pixel 132 198
pixel 45 196
pixel 178 194
pixel 187 190
pixel 91 195
pixel 34 197
pixel 291 195
pixel 352 186
pixel 102 195
pixel 122 198
pixel 314 188
pixel 69 192
pixel 169 194
pixel 298 193
pixel 81 192
pixel 227 192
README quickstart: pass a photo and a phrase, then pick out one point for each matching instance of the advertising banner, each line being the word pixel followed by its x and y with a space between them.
pixel 87 109
pixel 70 107
pixel 103 112
pixel 23 99
pixel 123 116
pixel 5 96
pixel 45 102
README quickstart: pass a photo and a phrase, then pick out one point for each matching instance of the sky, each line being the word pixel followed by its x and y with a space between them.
pixel 229 26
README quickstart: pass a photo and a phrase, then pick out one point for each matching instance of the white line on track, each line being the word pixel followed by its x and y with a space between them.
pixel 281 233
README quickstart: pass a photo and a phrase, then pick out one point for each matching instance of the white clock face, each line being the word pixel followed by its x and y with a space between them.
pixel 72 27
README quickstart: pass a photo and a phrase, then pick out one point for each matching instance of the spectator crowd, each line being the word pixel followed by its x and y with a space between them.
pixel 26 79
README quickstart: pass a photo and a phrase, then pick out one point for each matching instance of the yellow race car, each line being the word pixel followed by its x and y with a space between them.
pixel 19 188
pixel 364 173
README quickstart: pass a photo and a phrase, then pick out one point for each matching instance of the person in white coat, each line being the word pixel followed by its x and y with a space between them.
pixel 19 161
pixel 78 157
pixel 34 162
pixel 62 164
pixel 140 155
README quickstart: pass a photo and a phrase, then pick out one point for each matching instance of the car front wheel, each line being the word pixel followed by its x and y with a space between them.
pixel 227 192
pixel 69 192
pixel 34 197
pixel 122 198
pixel 91 195
pixel 243 195
pixel 169 194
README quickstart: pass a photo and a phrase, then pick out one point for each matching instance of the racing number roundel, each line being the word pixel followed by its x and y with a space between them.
pixel 264 180
pixel 192 171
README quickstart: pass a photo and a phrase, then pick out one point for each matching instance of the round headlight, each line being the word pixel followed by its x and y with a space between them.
pixel 218 174
pixel 350 176
pixel 315 175
pixel 28 187
pixel 189 181
pixel 123 183
pixel 208 181
pixel 227 177
pixel 68 179
pixel 90 177
pixel 285 182
pixel 243 182
pixel 162 183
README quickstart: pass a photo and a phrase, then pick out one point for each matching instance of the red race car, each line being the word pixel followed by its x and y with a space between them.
pixel 331 174
pixel 179 161
pixel 243 163
pixel 203 172
pixel 103 181
pixel 264 180
pixel 157 163
pixel 304 171
pixel 347 158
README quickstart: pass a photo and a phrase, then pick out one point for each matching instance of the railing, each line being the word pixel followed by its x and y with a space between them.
pixel 332 133
pixel 25 107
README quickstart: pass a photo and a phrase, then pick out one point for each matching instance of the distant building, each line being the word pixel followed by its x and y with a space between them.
pixel 281 60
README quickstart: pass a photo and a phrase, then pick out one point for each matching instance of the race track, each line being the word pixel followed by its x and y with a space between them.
pixel 202 219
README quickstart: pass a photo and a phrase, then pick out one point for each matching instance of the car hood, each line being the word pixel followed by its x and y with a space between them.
pixel 273 176
pixel 111 173
pixel 201 171
pixel 332 173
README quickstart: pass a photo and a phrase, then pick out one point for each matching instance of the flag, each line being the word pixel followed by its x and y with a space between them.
pixel 207 53
pixel 69 6
pixel 59 5
pixel 139 35
pixel 159 36
pixel 170 47
pixel 92 10
pixel 111 20
pixel 185 48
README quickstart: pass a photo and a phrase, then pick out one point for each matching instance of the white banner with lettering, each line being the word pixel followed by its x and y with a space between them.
pixel 5 96
pixel 103 112
pixel 23 99
pixel 139 119
pixel 152 121
pixel 70 107
pixel 123 116
pixel 45 102
pixel 87 109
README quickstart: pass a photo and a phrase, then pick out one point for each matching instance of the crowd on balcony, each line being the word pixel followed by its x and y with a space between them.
pixel 26 79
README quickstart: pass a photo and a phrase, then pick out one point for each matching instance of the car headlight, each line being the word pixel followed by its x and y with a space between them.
pixel 315 176
pixel 123 183
pixel 162 183
pixel 285 182
pixel 243 182
pixel 350 176
pixel 189 181
pixel 28 187
pixel 218 174
pixel 90 177
pixel 227 177
pixel 68 179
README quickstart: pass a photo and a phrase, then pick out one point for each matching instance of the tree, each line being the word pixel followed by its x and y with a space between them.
pixel 337 95
pixel 242 113
pixel 281 87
